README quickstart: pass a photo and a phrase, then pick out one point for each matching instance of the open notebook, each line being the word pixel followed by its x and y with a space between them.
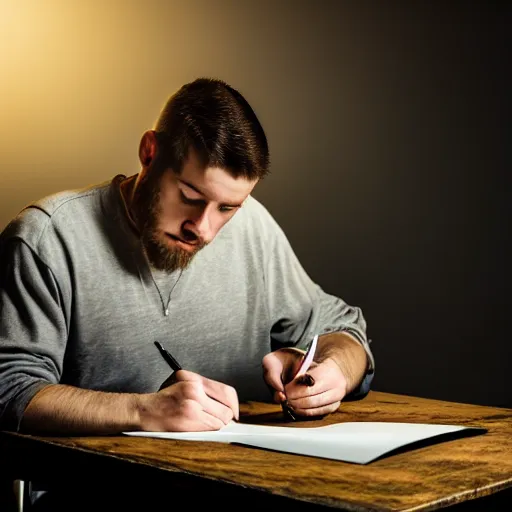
pixel 357 442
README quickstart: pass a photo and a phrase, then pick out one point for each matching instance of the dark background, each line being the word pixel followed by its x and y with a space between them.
pixel 389 131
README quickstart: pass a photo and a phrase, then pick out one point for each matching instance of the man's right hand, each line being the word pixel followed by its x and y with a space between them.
pixel 191 403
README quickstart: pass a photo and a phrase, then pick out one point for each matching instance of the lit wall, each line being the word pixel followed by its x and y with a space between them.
pixel 386 125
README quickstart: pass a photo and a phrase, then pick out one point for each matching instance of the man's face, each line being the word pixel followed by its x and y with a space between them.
pixel 180 214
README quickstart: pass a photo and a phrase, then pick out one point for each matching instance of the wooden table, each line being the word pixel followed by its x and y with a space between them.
pixel 425 478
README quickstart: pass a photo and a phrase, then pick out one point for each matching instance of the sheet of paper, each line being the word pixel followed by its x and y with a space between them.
pixel 357 442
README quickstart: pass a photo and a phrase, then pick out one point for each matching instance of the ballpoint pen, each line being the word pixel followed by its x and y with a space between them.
pixel 171 361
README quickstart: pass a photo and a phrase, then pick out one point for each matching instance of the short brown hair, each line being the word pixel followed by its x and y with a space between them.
pixel 218 123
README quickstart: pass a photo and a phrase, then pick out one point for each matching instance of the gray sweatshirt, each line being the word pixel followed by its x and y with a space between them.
pixel 79 304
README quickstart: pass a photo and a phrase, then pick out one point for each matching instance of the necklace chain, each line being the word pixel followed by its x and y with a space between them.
pixel 165 306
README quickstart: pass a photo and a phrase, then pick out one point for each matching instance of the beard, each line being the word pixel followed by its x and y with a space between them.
pixel 146 203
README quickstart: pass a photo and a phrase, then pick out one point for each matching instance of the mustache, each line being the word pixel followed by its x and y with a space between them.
pixel 191 238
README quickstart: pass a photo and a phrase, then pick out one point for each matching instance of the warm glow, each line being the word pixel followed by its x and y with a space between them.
pixel 56 73
pixel 79 84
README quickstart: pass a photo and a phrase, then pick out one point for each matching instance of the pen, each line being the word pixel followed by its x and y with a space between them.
pixel 302 377
pixel 307 360
pixel 168 357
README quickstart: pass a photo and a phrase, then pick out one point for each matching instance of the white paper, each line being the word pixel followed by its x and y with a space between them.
pixel 357 442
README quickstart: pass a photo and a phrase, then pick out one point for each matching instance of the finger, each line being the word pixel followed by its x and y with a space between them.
pixel 272 372
pixel 316 400
pixel 211 422
pixel 195 402
pixel 292 364
pixel 317 411
pixel 222 394
pixel 295 391
pixel 198 420
pixel 225 395
pixel 214 409
pixel 280 366
pixel 301 387
pixel 323 377
pixel 187 375
pixel 277 396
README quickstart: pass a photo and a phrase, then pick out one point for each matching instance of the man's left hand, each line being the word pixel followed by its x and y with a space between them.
pixel 329 385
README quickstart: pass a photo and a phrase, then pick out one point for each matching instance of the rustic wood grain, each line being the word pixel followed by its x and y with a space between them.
pixel 425 478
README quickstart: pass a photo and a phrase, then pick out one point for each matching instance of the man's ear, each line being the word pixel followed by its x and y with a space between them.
pixel 148 148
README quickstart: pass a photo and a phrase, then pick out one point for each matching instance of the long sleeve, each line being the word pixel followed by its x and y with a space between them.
pixel 33 331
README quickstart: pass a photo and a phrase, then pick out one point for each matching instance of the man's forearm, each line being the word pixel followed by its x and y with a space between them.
pixel 348 354
pixel 65 409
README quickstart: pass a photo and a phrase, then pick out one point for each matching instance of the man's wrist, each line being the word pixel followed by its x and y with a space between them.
pixel 335 363
pixel 348 354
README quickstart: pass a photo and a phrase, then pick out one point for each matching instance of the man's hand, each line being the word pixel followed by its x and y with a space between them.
pixel 190 403
pixel 338 368
pixel 323 397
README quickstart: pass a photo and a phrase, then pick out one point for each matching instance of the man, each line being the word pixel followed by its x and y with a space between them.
pixel 179 253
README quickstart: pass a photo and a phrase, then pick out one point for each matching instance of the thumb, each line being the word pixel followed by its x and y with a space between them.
pixel 272 374
pixel 278 368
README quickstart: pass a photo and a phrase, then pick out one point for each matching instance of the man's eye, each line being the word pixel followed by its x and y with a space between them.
pixel 188 200
pixel 226 208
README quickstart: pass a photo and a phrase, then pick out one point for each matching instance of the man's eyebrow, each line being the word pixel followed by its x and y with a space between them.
pixel 189 185
pixel 193 187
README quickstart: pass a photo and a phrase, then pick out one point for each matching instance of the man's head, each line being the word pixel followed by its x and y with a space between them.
pixel 201 161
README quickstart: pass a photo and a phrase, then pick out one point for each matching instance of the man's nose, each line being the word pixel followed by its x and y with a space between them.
pixel 202 225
